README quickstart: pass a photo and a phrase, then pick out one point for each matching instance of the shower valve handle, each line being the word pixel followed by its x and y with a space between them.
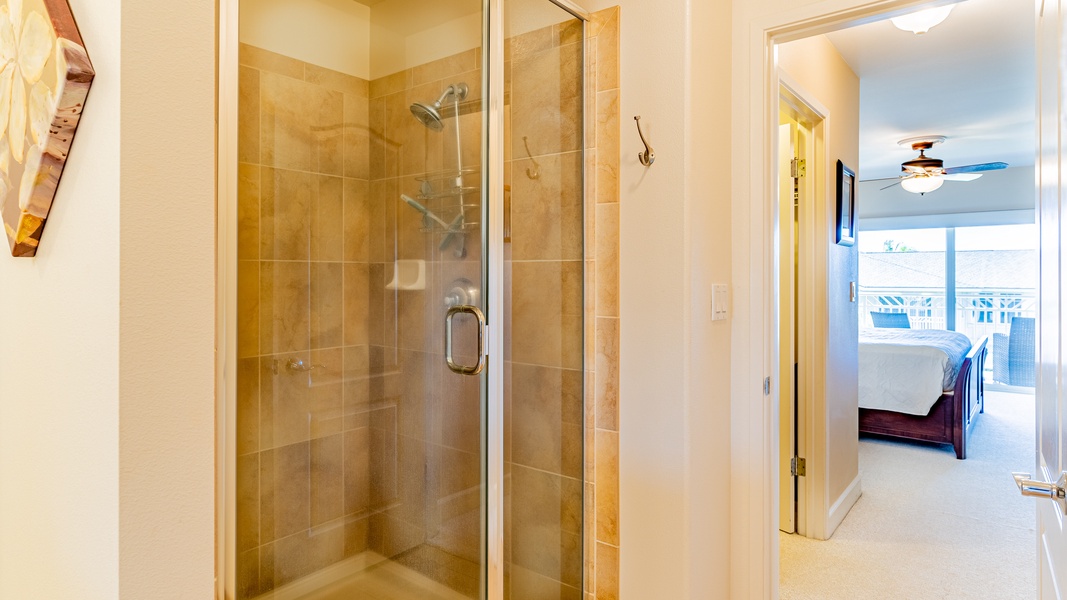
pixel 296 364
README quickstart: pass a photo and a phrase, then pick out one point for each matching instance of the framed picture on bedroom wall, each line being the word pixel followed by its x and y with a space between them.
pixel 846 205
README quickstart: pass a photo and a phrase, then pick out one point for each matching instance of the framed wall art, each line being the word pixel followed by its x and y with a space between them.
pixel 846 205
pixel 45 78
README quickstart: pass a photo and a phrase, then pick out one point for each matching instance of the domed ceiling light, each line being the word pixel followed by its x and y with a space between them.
pixel 921 22
pixel 920 184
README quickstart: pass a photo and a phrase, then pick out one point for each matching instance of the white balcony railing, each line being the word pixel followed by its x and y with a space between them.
pixel 978 312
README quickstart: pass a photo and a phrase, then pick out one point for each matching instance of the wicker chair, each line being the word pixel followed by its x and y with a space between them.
pixel 1014 354
pixel 895 320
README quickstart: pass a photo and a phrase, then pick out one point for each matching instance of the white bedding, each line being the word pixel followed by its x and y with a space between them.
pixel 907 370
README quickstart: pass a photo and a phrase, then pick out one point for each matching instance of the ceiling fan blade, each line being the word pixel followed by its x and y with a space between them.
pixel 961 176
pixel 993 166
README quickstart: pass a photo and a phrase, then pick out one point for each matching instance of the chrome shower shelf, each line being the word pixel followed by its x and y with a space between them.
pixel 470 210
pixel 446 175
pixel 461 229
pixel 453 192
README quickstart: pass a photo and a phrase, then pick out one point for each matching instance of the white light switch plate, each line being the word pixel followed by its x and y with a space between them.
pixel 719 295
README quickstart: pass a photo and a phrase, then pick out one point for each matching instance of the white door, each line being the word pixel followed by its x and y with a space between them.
pixel 787 509
pixel 1051 385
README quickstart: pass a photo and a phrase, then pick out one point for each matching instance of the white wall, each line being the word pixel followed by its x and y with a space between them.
pixel 675 241
pixel 329 33
pixel 106 403
pixel 59 368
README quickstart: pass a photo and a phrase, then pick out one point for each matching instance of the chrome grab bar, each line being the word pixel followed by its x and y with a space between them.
pixel 477 313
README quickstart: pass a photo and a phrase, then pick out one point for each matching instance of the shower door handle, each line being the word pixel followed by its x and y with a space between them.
pixel 480 317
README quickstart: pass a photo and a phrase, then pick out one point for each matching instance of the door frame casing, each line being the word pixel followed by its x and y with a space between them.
pixel 754 416
pixel 226 300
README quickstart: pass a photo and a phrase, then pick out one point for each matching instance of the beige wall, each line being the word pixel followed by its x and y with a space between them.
pixel 106 375
pixel 405 34
pixel 166 290
pixel 819 69
pixel 330 33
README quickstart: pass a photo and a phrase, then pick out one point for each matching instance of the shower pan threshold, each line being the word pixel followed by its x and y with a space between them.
pixel 368 574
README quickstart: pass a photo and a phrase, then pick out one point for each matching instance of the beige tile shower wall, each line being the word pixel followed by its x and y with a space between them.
pixel 306 440
pixel 602 536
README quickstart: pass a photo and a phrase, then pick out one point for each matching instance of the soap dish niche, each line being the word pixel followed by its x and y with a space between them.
pixel 408 275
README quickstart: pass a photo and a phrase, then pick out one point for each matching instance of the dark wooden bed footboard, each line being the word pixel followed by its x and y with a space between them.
pixel 951 417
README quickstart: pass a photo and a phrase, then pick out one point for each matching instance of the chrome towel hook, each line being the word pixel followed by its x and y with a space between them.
pixel 649 155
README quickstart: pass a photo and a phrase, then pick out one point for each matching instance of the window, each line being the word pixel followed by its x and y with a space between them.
pixel 987 275
pixel 903 271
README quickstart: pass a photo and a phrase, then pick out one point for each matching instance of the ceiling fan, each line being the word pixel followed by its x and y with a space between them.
pixel 926 174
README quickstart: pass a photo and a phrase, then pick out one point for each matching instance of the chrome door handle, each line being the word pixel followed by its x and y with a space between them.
pixel 1039 489
pixel 458 368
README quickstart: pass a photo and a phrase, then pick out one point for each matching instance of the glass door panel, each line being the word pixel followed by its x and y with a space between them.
pixel 361 453
pixel 543 304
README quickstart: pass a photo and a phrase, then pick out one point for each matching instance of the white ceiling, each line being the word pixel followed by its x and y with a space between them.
pixel 971 79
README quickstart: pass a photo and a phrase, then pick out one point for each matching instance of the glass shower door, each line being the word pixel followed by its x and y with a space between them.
pixel 543 301
pixel 361 452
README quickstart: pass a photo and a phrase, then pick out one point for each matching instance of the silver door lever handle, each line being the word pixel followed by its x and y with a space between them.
pixel 1040 489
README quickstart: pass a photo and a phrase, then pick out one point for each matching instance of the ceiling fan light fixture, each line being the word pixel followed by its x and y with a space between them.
pixel 920 184
pixel 921 22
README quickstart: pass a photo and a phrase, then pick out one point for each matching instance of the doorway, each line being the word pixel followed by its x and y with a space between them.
pixel 759 28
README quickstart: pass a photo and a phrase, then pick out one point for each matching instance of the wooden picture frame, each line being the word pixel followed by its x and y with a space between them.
pixel 846 205
pixel 45 86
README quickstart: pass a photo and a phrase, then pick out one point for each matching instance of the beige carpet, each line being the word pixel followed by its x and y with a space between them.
pixel 929 526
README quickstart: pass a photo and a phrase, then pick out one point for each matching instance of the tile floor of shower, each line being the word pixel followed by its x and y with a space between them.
pixel 386 580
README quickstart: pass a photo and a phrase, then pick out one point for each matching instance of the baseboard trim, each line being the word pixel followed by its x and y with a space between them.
pixel 844 503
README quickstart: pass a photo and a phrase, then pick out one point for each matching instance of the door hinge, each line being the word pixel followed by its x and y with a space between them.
pixel 798 467
pixel 766 386
pixel 798 167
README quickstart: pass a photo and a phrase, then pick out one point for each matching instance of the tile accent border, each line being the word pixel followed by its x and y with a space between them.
pixel 602 539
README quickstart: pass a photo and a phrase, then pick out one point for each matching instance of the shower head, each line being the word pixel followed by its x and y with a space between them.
pixel 430 114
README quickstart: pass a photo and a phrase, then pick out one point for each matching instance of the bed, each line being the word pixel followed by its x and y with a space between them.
pixel 921 384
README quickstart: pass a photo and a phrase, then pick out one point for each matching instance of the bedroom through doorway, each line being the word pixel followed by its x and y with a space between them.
pixel 957 259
